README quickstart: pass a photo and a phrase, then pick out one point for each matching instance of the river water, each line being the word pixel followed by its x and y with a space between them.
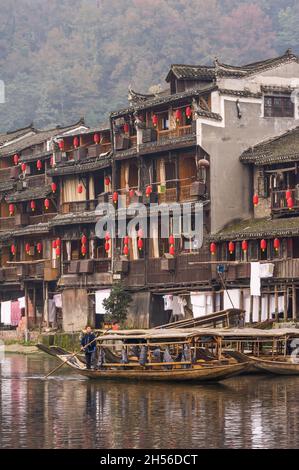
pixel 67 411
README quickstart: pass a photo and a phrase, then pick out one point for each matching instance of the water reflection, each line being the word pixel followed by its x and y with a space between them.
pixel 67 411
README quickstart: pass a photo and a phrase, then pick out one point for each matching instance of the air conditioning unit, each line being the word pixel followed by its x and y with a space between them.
pixel 122 143
pixel 197 188
pixel 121 266
pixel 149 135
pixel 14 172
pixel 21 219
pixel 74 267
pixel 168 263
pixel 87 266
pixel 80 154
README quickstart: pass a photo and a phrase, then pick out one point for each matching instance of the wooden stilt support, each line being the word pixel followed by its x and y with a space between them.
pixel 294 302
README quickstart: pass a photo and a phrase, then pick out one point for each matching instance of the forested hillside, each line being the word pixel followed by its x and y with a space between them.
pixel 62 59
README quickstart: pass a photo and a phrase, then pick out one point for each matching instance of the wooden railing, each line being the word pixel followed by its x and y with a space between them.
pixel 41 218
pixel 5 174
pixel 7 223
pixel 100 265
pixel 279 200
pixel 181 131
pixel 79 206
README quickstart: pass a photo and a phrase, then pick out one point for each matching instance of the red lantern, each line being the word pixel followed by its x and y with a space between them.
pixel 126 240
pixel 148 191
pixel 13 249
pixel 171 239
pixel 23 167
pixel 107 246
pixel 53 187
pixel 178 115
pixel 263 244
pixel 76 142
pixel 61 145
pixel 155 120
pixel 27 248
pixel 115 197
pixel 107 181
pixel 131 193
pixel 171 250
pixel 57 251
pixel 107 236
pixel 188 112
pixel 54 244
pixel 290 203
pixel 83 250
pixel 83 239
pixel 58 242
pixel 126 250
pixel 11 209
pixel 80 189
pixel 39 165
pixel 276 244
pixel 255 200
pixel 96 138
pixel 288 194
pixel 16 158
pixel 39 247
pixel 231 247
pixel 32 206
pixel 126 127
pixel 213 248
pixel 140 244
pixel 46 204
pixel 244 246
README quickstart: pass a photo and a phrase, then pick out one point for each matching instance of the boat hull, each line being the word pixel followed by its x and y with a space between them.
pixel 203 374
pixel 277 367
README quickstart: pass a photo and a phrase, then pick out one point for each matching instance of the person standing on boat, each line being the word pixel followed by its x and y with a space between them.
pixel 89 349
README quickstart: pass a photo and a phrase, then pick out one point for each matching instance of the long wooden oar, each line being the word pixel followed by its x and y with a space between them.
pixel 73 355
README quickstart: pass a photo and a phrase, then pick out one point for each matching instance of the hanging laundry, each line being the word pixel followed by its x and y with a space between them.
pixel 22 302
pixel 15 313
pixel 176 307
pixel 58 300
pixel 168 302
pixel 52 311
pixel 6 312
pixel 182 303
pixel 266 269
pixel 101 295
pixel 255 280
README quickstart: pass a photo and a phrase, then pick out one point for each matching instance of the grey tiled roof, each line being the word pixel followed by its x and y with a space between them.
pixel 282 148
pixel 257 228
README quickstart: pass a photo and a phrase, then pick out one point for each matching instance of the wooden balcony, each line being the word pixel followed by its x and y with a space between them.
pixel 7 223
pixel 9 274
pixel 79 206
pixel 41 218
pixel 96 150
pixel 180 137
pixel 5 174
pixel 181 131
pixel 279 204
pixel 87 266
pixel 283 269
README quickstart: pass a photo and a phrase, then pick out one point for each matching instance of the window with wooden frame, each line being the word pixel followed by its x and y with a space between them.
pixel 253 249
pixel 278 106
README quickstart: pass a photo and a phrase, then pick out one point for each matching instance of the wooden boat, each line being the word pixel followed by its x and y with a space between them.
pixel 177 367
pixel 278 367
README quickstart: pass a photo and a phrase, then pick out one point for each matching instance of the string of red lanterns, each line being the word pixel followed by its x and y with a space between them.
pixel 96 138
pixel 126 246
pixel 76 142
pixel 54 187
pixel 107 242
pixel 39 165
pixel 171 245
pixel 32 206
pixel 11 209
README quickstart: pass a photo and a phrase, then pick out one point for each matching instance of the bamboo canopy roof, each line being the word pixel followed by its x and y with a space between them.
pixel 186 333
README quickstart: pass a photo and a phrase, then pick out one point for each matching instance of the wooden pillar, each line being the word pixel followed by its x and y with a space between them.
pixel 260 308
pixel 26 306
pixel 268 305
pixel 214 300
pixel 294 312
pixel 285 304
pixel 276 302
pixel 251 309
pixel 34 304
pixel 46 304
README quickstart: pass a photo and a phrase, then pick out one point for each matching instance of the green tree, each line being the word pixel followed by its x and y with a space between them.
pixel 116 305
